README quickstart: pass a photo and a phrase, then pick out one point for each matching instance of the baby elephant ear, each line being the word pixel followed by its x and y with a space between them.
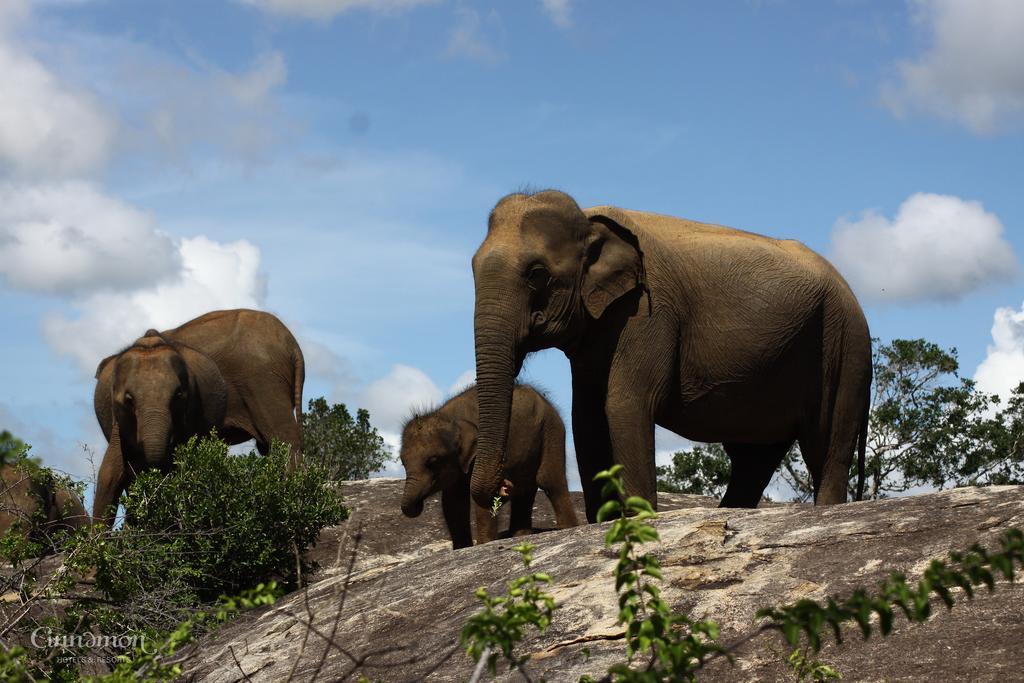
pixel 613 264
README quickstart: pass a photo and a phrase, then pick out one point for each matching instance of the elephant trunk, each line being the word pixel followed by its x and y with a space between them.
pixel 155 430
pixel 498 330
pixel 412 499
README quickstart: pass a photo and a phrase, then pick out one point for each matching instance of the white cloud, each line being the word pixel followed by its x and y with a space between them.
pixel 212 276
pixel 462 382
pixel 47 128
pixel 328 9
pixel 1003 367
pixel 186 108
pixel 469 40
pixel 971 72
pixel 559 11
pixel 325 364
pixel 70 238
pixel 13 12
pixel 938 248
pixel 252 87
pixel 392 398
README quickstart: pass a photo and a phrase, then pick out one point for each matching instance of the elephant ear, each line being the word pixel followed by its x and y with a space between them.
pixel 101 397
pixel 208 392
pixel 467 445
pixel 613 264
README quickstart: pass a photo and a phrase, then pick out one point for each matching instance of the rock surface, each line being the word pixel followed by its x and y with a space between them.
pixel 389 537
pixel 396 616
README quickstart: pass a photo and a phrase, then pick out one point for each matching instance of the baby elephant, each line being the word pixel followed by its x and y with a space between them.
pixel 438 450
pixel 32 500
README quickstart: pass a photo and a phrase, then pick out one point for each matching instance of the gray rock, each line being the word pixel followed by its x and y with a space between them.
pixel 397 615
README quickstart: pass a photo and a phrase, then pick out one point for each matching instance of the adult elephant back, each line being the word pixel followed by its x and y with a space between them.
pixel 717 334
pixel 239 371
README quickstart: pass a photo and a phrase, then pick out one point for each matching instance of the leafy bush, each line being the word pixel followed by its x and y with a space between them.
pixel 500 626
pixel 216 523
pixel 805 668
pixel 11 447
pixel 963 570
pixel 347 449
pixel 676 645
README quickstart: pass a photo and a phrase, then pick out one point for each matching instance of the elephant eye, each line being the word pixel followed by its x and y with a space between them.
pixel 128 398
pixel 538 277
pixel 433 461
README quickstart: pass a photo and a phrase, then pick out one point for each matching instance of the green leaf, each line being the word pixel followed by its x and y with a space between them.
pixel 608 510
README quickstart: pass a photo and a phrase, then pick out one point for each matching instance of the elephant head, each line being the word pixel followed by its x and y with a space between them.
pixel 544 273
pixel 161 394
pixel 436 452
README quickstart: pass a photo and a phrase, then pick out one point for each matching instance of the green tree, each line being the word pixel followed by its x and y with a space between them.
pixel 347 448
pixel 973 447
pixel 702 470
pixel 929 426
pixel 11 447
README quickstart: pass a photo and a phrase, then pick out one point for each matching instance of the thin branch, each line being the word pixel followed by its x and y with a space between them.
pixel 238 664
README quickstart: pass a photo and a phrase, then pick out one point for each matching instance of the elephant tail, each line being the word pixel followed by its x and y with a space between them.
pixel 862 444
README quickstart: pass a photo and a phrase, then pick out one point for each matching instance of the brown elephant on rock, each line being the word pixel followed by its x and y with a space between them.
pixel 438 449
pixel 238 371
pixel 716 334
pixel 31 499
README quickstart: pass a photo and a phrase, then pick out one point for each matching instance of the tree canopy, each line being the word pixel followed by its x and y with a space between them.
pixel 11 447
pixel 348 448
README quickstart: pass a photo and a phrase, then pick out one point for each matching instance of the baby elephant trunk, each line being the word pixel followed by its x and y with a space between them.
pixel 412 498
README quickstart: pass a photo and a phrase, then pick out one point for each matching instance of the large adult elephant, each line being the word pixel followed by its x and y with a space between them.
pixel 716 334
pixel 237 371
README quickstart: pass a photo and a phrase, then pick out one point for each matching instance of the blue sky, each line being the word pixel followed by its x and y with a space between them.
pixel 334 161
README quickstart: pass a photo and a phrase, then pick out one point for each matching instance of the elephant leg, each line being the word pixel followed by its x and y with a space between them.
pixel 455 505
pixel 275 420
pixel 565 511
pixel 111 481
pixel 828 446
pixel 631 427
pixel 640 378
pixel 831 487
pixel 290 432
pixel 521 517
pixel 486 524
pixel 590 436
pixel 752 468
